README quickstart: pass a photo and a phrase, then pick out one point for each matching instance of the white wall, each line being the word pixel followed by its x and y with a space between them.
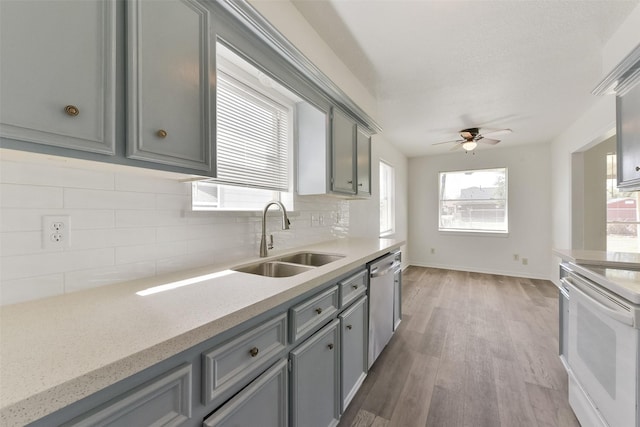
pixel 594 126
pixel 364 218
pixel 529 214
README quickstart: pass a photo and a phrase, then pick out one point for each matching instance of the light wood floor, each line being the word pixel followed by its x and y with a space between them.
pixel 472 350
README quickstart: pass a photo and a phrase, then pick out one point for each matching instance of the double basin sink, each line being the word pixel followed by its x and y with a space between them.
pixel 289 265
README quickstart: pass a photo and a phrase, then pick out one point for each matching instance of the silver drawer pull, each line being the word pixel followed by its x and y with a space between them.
pixel 349 327
pixel 330 346
pixel 318 310
pixel 254 351
pixel 355 286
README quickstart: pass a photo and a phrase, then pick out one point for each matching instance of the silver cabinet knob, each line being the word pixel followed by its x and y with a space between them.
pixel 254 351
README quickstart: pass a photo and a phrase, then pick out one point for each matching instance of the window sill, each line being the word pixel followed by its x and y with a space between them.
pixel 467 233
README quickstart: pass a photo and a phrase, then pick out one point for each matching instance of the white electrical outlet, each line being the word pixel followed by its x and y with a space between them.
pixel 516 257
pixel 525 261
pixel 56 231
pixel 433 250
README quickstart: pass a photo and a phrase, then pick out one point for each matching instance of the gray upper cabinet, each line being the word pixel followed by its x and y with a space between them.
pixel 628 139
pixel 334 154
pixel 57 75
pixel 315 379
pixel 170 98
pixel 363 148
pixel 343 130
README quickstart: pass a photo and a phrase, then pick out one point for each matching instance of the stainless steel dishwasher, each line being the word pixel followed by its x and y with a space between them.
pixel 381 282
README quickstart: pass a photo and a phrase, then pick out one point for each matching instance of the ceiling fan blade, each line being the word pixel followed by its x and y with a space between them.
pixel 488 141
pixel 455 147
pixel 466 135
pixel 494 132
pixel 448 142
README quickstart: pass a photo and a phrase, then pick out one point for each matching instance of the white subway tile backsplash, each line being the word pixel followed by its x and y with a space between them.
pixel 15 291
pixel 111 237
pixel 129 254
pixel 55 176
pixel 151 184
pixel 30 196
pixel 40 264
pixel 21 243
pixel 129 224
pixel 173 201
pixel 100 199
pixel 136 218
pixel 94 277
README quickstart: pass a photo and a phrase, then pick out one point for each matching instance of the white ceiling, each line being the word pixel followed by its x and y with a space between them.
pixel 437 67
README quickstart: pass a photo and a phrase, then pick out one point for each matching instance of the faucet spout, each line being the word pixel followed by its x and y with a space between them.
pixel 285 225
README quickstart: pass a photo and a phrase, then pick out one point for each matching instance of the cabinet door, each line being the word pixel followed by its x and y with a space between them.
pixel 166 401
pixel 57 74
pixel 363 145
pixel 170 111
pixel 354 333
pixel 628 135
pixel 262 403
pixel 397 299
pixel 315 379
pixel 343 144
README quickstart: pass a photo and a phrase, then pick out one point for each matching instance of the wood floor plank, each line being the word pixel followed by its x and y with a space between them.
pixel 549 408
pixel 472 350
pixel 514 406
pixel 415 397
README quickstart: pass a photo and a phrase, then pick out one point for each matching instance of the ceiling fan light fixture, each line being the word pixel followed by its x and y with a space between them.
pixel 469 145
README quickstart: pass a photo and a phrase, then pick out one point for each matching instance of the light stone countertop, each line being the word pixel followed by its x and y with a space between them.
pixel 600 258
pixel 619 272
pixel 58 350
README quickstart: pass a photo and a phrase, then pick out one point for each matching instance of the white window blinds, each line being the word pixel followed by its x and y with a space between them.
pixel 252 137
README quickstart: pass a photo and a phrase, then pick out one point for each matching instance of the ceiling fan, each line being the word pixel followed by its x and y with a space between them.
pixel 473 136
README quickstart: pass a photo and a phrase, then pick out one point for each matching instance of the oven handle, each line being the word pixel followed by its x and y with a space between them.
pixel 627 319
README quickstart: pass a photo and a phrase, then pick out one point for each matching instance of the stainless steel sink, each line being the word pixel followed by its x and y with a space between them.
pixel 310 258
pixel 274 269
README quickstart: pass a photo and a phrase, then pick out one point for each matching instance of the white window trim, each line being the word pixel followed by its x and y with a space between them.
pixel 392 199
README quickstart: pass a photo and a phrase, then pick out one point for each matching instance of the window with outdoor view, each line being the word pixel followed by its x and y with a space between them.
pixel 623 215
pixel 474 201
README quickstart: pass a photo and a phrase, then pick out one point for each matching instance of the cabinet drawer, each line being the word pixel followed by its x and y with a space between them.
pixel 311 314
pixel 234 364
pixel 262 403
pixel 352 287
pixel 165 401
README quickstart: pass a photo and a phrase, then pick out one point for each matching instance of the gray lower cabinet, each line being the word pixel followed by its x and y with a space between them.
pixel 165 401
pixel 232 365
pixel 262 403
pixel 315 379
pixel 354 334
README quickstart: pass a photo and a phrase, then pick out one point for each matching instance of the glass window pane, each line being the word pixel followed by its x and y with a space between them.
pixel 474 200
pixel 387 202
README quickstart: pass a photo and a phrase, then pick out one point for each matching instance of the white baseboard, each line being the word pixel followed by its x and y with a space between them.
pixel 476 270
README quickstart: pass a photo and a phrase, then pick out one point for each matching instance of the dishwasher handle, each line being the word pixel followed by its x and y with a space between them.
pixel 376 272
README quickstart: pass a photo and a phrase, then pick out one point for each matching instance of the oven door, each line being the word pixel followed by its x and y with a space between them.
pixel 603 347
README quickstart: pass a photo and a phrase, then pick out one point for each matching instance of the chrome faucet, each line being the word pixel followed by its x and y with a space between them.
pixel 285 226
